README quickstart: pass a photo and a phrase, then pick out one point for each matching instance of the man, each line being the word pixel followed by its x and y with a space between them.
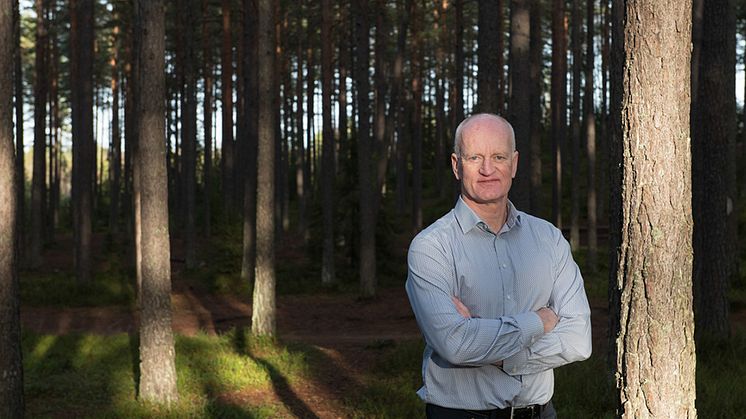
pixel 496 293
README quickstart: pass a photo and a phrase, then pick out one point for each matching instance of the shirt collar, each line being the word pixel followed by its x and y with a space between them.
pixel 467 219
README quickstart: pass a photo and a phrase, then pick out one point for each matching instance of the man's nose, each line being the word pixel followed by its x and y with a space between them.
pixel 487 167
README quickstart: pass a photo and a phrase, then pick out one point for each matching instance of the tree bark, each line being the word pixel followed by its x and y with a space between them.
pixel 651 279
pixel 11 365
pixel 713 169
pixel 519 106
pixel 83 146
pixel 590 142
pixel 263 316
pixel 367 267
pixel 157 353
pixel 559 105
pixel 38 181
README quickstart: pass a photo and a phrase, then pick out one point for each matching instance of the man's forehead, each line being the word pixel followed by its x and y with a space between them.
pixel 487 127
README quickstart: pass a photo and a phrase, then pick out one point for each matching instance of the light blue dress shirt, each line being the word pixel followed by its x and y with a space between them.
pixel 503 279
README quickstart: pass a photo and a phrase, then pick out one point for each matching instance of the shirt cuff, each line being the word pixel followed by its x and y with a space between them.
pixel 531 327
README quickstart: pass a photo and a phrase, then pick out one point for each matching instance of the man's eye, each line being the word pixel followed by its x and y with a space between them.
pixel 474 158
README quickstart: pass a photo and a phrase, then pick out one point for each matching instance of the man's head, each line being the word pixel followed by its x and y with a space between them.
pixel 484 158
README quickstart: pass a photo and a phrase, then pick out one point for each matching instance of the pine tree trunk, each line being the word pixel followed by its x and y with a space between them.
pixel 559 108
pixel 227 160
pixel 301 177
pixel 367 268
pixel 208 74
pixel 519 109
pixel 417 72
pixel 651 278
pixel 536 63
pixel 590 141
pixel 713 183
pixel 263 316
pixel 441 131
pixel 115 156
pixel 189 138
pixel 457 91
pixel 38 181
pixel 248 260
pixel 20 161
pixel 84 152
pixel 11 366
pixel 575 112
pixel 488 52
pixel 157 353
pixel 327 166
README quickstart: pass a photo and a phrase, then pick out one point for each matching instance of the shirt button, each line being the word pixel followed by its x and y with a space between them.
pixel 504 266
pixel 508 297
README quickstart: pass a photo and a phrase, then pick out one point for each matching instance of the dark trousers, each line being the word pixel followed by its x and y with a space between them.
pixel 438 412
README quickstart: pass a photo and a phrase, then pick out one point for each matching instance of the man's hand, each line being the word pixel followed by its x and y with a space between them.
pixel 548 318
pixel 461 308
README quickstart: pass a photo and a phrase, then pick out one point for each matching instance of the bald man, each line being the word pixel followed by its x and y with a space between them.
pixel 496 293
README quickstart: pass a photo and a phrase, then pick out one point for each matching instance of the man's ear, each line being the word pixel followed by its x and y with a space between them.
pixel 455 166
pixel 515 163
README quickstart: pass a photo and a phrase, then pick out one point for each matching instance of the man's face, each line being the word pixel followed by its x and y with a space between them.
pixel 487 164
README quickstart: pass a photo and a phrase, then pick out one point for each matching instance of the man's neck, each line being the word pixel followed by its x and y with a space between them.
pixel 495 214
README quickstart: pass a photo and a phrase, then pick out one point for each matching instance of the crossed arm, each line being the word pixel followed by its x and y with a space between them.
pixel 522 343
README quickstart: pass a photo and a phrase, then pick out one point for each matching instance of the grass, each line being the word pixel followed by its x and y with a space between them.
pixel 94 376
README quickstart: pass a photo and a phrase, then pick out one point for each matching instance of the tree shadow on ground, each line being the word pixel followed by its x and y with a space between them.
pixel 280 384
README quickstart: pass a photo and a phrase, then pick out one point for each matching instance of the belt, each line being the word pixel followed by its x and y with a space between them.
pixel 528 412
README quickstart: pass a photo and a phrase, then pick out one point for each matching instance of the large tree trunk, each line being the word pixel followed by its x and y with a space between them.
pixel 559 104
pixel 11 366
pixel 488 53
pixel 38 181
pixel 227 160
pixel 713 169
pixel 590 141
pixel 367 267
pixel 519 107
pixel 157 354
pixel 327 166
pixel 83 145
pixel 651 279
pixel 263 316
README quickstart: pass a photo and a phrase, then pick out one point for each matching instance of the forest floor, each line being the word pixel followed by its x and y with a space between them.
pixel 341 326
